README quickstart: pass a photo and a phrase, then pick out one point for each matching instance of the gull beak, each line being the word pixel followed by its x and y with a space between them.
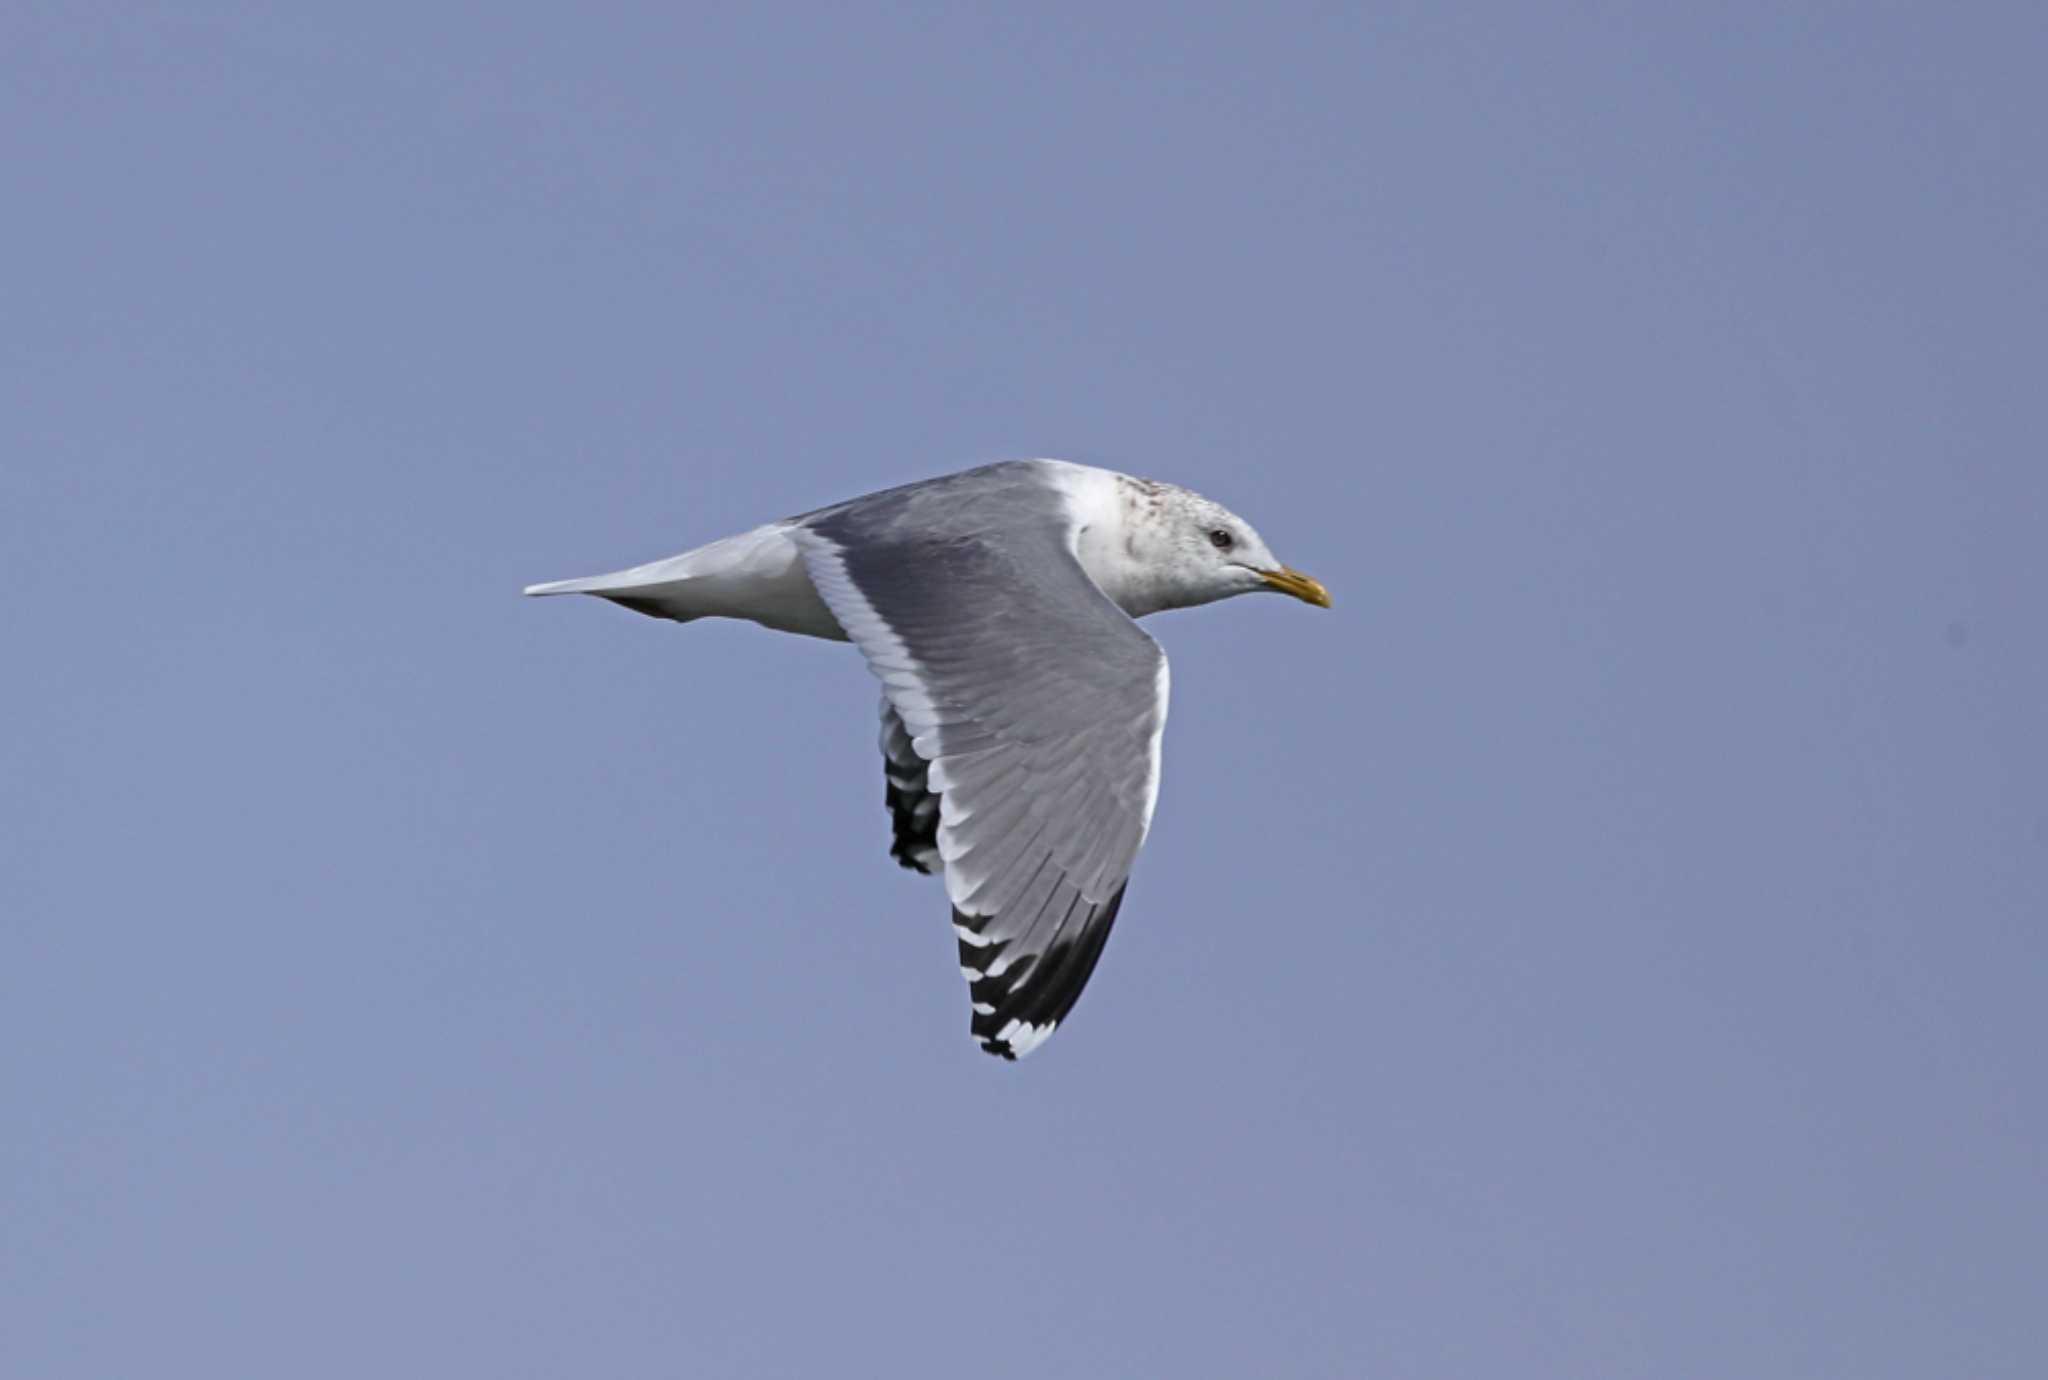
pixel 1306 588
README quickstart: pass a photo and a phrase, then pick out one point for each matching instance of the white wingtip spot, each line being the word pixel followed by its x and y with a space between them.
pixel 1022 1037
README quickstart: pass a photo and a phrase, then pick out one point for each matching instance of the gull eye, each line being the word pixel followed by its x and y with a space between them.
pixel 1221 539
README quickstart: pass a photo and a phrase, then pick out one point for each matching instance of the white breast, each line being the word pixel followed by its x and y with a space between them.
pixel 1110 512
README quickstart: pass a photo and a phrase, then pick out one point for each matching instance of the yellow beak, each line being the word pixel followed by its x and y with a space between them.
pixel 1306 588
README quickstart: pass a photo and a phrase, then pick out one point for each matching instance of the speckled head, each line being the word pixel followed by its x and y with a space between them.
pixel 1153 546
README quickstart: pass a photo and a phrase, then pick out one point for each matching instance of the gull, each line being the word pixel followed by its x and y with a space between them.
pixel 1022 707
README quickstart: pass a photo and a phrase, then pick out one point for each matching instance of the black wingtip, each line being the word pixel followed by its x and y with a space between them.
pixel 913 809
pixel 1037 990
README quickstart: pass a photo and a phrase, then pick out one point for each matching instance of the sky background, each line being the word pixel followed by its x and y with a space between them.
pixel 1609 943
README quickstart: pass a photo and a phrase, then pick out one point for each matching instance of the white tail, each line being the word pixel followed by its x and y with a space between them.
pixel 757 575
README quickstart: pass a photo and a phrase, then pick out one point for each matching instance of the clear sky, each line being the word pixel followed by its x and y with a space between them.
pixel 1609 943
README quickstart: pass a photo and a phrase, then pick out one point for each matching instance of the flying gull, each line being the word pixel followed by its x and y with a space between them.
pixel 1022 707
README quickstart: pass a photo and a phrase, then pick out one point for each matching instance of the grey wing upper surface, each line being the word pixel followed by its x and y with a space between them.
pixel 1034 703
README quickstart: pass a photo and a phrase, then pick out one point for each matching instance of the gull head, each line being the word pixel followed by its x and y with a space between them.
pixel 1179 549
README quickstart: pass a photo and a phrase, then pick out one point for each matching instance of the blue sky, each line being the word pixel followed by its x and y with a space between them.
pixel 1608 943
